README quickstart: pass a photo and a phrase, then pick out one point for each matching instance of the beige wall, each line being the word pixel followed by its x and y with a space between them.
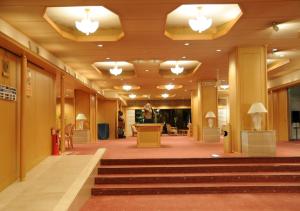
pixel 278 113
pixel 8 126
pixel 39 117
pixel 108 113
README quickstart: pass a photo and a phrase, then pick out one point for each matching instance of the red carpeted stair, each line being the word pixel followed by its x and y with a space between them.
pixel 197 175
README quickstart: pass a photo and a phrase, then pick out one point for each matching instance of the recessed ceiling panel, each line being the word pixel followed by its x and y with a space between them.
pixel 63 19
pixel 189 68
pixel 216 20
pixel 104 67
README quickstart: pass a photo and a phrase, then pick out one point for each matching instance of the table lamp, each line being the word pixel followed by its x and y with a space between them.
pixel 210 116
pixel 81 118
pixel 256 111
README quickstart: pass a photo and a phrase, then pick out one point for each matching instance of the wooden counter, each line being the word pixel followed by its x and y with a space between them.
pixel 148 135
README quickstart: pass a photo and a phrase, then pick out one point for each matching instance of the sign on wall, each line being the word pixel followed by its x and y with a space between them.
pixel 8 93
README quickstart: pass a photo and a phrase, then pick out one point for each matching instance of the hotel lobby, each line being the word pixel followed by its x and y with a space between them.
pixel 149 105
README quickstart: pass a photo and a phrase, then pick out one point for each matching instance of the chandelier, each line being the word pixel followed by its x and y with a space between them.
pixel 200 23
pixel 127 87
pixel 115 70
pixel 86 25
pixel 177 69
pixel 165 95
pixel 132 96
pixel 170 86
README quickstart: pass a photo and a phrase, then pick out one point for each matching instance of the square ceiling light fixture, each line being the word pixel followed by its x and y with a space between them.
pixel 85 23
pixel 201 21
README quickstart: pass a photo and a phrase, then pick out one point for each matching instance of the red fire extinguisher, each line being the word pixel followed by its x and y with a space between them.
pixel 55 142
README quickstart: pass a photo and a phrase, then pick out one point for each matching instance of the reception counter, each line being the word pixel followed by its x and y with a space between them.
pixel 148 135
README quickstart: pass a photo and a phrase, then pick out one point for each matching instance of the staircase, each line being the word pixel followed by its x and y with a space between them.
pixel 197 176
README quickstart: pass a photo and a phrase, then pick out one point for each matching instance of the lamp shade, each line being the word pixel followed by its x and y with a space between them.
pixel 210 114
pixel 81 116
pixel 257 107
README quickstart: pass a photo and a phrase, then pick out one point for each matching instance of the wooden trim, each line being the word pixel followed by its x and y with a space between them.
pixel 22 121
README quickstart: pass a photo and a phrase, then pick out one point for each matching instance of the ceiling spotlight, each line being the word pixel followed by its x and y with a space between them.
pixel 184 57
pixel 200 23
pixel 127 87
pixel 115 70
pixel 218 50
pixel 170 86
pixel 165 95
pixel 275 27
pixel 86 25
pixel 132 96
pixel 177 69
pixel 186 44
pixel 100 45
pixel 107 58
pixel 146 70
pixel 274 49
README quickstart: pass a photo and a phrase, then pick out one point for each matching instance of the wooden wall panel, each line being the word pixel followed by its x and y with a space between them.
pixel 8 125
pixel 69 111
pixel 93 117
pixel 195 114
pixel 39 117
pixel 278 114
pixel 108 113
pixel 82 105
pixel 209 103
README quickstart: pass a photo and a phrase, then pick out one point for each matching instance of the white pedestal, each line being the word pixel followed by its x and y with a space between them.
pixel 211 135
pixel 259 143
pixel 81 136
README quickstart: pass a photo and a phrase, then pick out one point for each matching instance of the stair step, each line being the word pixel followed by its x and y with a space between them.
pixel 239 160
pixel 198 178
pixel 176 188
pixel 199 169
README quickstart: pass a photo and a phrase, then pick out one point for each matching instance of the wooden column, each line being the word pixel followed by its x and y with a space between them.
pixel 278 113
pixel 22 115
pixel 247 85
pixel 204 99
pixel 62 112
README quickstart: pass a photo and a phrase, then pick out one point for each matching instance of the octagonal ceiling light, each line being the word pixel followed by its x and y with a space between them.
pixel 76 22
pixel 201 21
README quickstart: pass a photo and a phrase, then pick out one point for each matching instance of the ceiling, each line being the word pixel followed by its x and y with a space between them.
pixel 145 45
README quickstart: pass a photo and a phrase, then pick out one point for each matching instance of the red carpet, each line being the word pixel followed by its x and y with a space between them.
pixel 128 170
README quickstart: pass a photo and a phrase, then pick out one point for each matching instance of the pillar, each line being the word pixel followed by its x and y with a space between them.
pixel 62 112
pixel 247 84
pixel 203 99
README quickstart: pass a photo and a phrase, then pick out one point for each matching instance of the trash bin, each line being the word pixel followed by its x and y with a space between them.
pixel 103 131
pixel 227 138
